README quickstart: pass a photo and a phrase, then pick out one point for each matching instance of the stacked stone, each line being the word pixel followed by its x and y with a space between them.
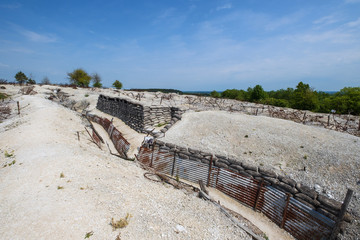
pixel 130 113
pixel 137 116
pixel 155 115
pixel 302 193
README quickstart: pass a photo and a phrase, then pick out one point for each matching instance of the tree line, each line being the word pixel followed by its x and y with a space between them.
pixel 79 77
pixel 303 97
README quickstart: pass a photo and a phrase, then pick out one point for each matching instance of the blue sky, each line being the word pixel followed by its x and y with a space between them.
pixel 187 44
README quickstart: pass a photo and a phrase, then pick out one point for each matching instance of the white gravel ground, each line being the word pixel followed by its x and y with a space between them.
pixel 96 186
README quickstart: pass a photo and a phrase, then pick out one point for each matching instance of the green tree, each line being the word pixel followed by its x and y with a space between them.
pixel 79 77
pixel 257 94
pixel 117 84
pixel 347 100
pixel 304 98
pixel 21 77
pixel 215 94
pixel 96 80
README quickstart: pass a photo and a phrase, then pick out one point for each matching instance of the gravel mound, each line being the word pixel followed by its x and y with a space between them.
pixel 330 159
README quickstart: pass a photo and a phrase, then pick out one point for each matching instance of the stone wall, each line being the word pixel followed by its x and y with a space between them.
pixel 136 115
pixel 304 194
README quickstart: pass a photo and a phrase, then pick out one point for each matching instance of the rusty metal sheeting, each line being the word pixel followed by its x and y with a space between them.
pixel 295 217
pixel 305 223
pixel 120 143
pixel 241 188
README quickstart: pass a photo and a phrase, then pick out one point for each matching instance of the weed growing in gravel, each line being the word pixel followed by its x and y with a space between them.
pixel 9 155
pixel 88 234
pixel 60 187
pixel 86 95
pixel 62 175
pixel 305 157
pixel 301 146
pixel 161 124
pixel 246 136
pixel 123 222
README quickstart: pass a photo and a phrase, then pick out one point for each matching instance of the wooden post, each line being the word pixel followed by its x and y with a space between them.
pixel 18 105
pixel 258 194
pixel 359 125
pixel 152 155
pixel 173 166
pixel 209 173
pixel 328 123
pixel 78 135
pixel 344 206
pixel 304 117
pixel 285 211
pixel 256 111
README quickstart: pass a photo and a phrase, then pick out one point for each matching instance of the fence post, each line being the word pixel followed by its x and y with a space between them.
pixel 173 166
pixel 359 125
pixel 18 105
pixel 209 173
pixel 152 154
pixel 304 118
pixel 285 211
pixel 258 194
pixel 344 206
pixel 328 123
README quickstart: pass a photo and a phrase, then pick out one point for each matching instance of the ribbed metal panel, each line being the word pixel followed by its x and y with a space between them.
pixel 295 217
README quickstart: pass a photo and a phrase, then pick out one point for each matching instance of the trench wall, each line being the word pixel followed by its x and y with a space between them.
pixel 306 195
pixel 136 115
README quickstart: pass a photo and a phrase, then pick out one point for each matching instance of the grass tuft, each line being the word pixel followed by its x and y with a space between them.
pixel 123 222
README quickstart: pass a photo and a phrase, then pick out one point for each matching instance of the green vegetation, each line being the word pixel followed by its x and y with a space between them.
pixel 9 155
pixel 60 187
pixel 3 96
pixel 20 77
pixel 79 77
pixel 157 90
pixel 96 80
pixel 303 97
pixel 117 84
pixel 88 234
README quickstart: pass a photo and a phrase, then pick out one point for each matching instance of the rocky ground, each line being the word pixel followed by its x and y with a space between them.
pixel 97 186
pixel 53 186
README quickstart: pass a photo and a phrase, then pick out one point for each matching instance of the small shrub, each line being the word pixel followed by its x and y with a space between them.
pixel 301 146
pixel 60 187
pixel 305 157
pixel 86 95
pixel 246 136
pixel 123 222
pixel 62 175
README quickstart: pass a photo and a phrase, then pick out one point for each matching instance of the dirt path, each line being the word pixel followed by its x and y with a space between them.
pixel 36 202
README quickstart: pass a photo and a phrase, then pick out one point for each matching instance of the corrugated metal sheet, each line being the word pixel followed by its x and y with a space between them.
pixel 295 217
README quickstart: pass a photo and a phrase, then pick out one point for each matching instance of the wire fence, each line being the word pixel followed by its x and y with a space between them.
pixel 288 213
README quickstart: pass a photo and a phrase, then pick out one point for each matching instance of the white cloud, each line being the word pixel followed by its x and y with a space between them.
pixel 223 7
pixel 326 20
pixel 2 65
pixel 36 37
pixel 355 23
